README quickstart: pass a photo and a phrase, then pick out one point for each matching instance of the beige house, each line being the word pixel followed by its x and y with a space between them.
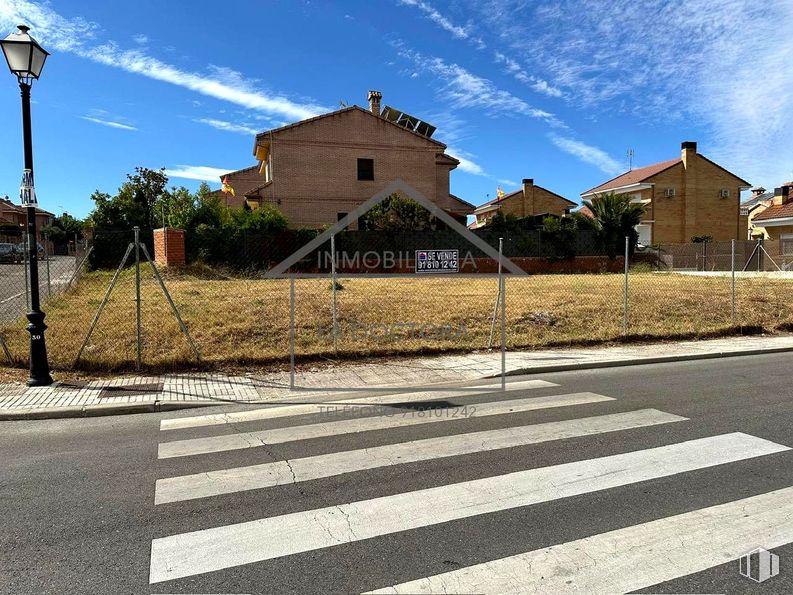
pixel 777 219
pixel 751 208
pixel 12 215
pixel 318 170
pixel 530 200
pixel 685 197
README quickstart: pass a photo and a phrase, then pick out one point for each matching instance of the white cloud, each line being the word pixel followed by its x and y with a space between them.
pixel 140 39
pixel 227 126
pixel 77 35
pixel 536 83
pixel 464 89
pixel 444 22
pixel 197 172
pixel 588 154
pixel 466 164
pixel 723 65
pixel 110 123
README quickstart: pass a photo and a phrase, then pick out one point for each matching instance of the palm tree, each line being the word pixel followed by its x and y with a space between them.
pixel 616 216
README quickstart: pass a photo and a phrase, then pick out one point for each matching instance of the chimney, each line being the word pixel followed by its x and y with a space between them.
pixel 688 154
pixel 757 191
pixel 688 149
pixel 374 102
pixel 782 195
pixel 528 197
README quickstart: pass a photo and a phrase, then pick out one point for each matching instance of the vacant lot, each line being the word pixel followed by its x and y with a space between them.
pixel 237 321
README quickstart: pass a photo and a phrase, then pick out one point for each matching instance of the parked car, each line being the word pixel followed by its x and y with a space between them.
pixel 22 249
pixel 9 253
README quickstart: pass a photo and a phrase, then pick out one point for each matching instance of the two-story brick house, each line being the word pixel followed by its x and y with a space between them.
pixel 685 197
pixel 530 200
pixel 14 216
pixel 318 170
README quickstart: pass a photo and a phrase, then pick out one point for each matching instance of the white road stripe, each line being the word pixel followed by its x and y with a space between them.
pixel 229 546
pixel 196 446
pixel 276 410
pixel 629 559
pixel 227 481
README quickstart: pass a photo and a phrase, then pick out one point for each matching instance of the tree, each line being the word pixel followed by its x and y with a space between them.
pixel 615 217
pixel 135 202
pixel 561 233
pixel 503 222
pixel 398 213
pixel 265 219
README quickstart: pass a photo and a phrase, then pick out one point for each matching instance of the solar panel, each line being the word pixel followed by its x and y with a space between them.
pixel 425 129
pixel 408 121
pixel 391 114
pixel 400 118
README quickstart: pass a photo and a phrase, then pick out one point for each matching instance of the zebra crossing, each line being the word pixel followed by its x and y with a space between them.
pixel 648 553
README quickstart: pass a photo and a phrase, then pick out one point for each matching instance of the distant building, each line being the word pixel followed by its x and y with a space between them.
pixel 14 217
pixel 318 170
pixel 777 219
pixel 751 208
pixel 531 200
pixel 684 197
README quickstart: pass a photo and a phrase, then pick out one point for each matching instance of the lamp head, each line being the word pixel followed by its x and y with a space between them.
pixel 24 55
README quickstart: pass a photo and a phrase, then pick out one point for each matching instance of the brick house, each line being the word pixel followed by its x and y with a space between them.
pixel 530 200
pixel 685 197
pixel 751 208
pixel 318 170
pixel 777 219
pixel 14 215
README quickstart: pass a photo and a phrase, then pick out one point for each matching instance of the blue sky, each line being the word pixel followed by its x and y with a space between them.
pixel 557 91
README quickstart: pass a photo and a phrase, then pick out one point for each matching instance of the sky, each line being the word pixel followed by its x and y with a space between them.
pixel 558 91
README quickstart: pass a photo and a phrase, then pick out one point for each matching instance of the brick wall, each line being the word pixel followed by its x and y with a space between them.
pixel 315 167
pixel 696 208
pixel 169 247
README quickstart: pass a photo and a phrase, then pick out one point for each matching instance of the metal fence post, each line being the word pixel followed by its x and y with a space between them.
pixel 503 334
pixel 498 294
pixel 137 299
pixel 333 284
pixel 292 332
pixel 732 268
pixel 625 291
pixel 47 260
pixel 27 285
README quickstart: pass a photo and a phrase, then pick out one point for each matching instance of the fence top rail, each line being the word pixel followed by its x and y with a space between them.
pixel 342 275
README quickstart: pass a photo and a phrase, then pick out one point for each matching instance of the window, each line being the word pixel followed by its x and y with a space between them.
pixel 366 169
pixel 786 244
pixel 340 216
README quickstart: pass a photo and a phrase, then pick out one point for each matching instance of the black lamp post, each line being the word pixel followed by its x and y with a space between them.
pixel 25 59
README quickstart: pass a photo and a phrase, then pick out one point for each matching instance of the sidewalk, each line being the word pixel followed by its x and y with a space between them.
pixel 136 394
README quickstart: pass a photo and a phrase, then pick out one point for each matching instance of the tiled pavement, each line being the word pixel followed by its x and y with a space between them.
pixel 139 393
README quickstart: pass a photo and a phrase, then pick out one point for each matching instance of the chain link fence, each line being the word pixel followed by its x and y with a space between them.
pixel 369 301
pixel 59 269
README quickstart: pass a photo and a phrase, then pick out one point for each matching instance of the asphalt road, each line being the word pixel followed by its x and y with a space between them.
pixel 79 512
pixel 12 284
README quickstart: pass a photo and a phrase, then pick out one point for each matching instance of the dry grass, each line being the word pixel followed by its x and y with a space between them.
pixel 246 322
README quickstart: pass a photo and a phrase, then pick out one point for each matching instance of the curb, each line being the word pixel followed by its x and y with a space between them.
pixel 160 406
pixel 101 410
pixel 660 359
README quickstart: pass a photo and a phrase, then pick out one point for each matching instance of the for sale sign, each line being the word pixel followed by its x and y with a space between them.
pixel 437 261
pixel 27 191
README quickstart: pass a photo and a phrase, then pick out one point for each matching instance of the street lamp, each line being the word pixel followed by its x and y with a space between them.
pixel 25 59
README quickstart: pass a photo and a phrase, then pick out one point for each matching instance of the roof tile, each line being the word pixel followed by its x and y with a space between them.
pixel 635 176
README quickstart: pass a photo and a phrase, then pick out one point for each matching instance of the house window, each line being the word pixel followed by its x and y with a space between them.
pixel 645 231
pixel 786 244
pixel 366 169
pixel 340 216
